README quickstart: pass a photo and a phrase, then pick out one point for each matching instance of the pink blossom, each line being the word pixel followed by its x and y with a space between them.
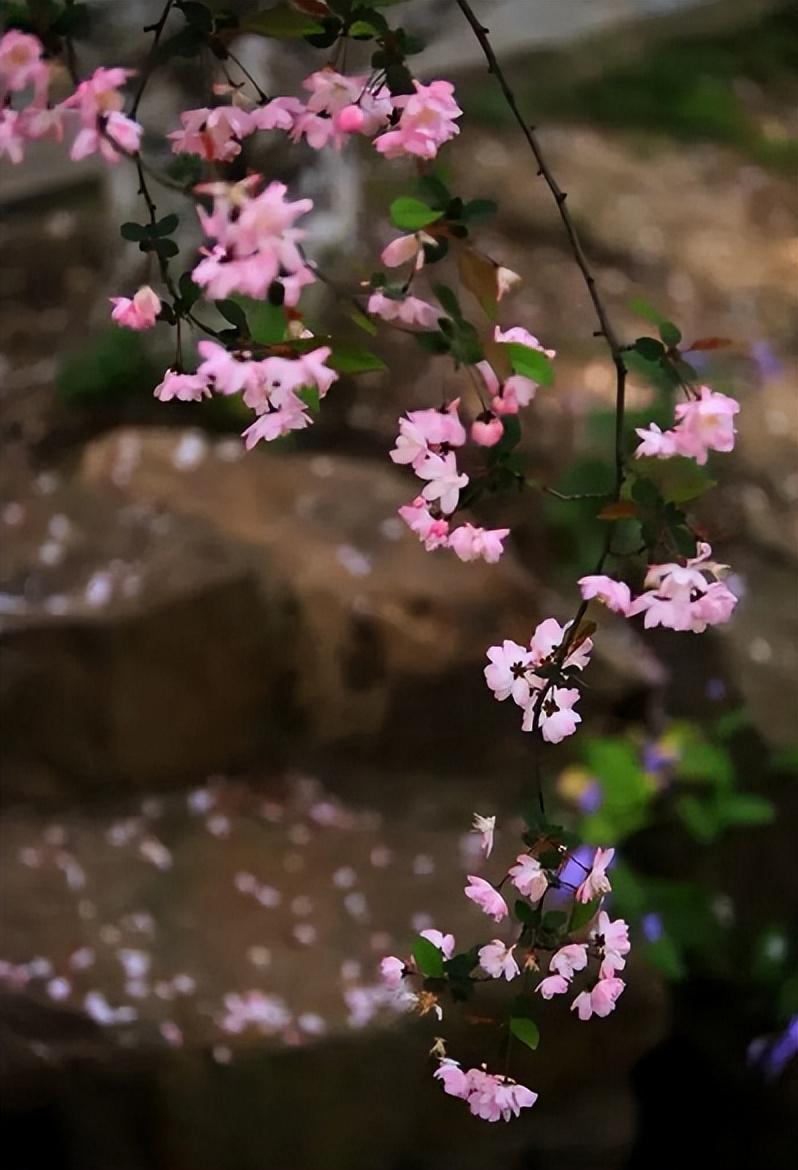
pixel 713 608
pixel 400 251
pixel 139 313
pixel 549 636
pixel 506 281
pixel 409 311
pixel 444 482
pixel 612 939
pixel 498 961
pixel 655 443
pixel 569 959
pixel 98 95
pixel 600 1001
pixel 706 424
pixel 496 1098
pixel 557 718
pixel 440 426
pixel 118 131
pixel 21 64
pixel 411 444
pixel 444 942
pixel 426 122
pixel 552 985
pixel 487 897
pixel 12 137
pixel 528 877
pixel 596 883
pixel 486 827
pixel 455 1082
pixel 433 532
pixel 487 431
pixel 256 242
pixel 392 970
pixel 228 372
pixel 507 672
pixel 278 114
pixel 183 387
pixel 681 598
pixel 290 416
pixel 614 594
pixel 471 544
pixel 213 134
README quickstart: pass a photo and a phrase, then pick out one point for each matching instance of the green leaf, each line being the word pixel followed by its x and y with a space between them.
pixel 234 314
pixel 678 479
pixel 449 301
pixel 655 373
pixel 554 919
pixel 665 955
pixel 434 191
pixel 525 1030
pixel 166 249
pixel 643 309
pixel 582 913
pixel 362 30
pixel 165 226
pixel 428 958
pixel 135 232
pixel 531 363
pixel 525 913
pixel 649 348
pixel 267 322
pixel 670 334
pixel 699 817
pixel 477 210
pixel 744 808
pixel 281 21
pixel 350 359
pixel 411 214
pixel 189 291
pixel 310 396
pixel 362 321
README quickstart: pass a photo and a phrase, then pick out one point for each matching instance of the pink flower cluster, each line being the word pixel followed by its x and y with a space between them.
pixel 489 1095
pixel 516 391
pixel 270 386
pixel 140 312
pixel 510 673
pixel 689 596
pixel 338 106
pixel 425 442
pixel 610 940
pixel 103 128
pixel 256 244
pixel 703 424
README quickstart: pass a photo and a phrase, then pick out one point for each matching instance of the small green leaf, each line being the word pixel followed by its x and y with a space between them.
pixel 525 1030
pixel 135 232
pixel 411 214
pixel 744 808
pixel 582 913
pixel 428 958
pixel 477 210
pixel 670 334
pixel 362 321
pixel 643 309
pixel 525 913
pixel 350 359
pixel 531 363
pixel 189 291
pixel 699 817
pixel 310 396
pixel 649 348
pixel 449 301
pixel 281 21
pixel 266 321
pixel 165 226
pixel 234 314
pixel 677 480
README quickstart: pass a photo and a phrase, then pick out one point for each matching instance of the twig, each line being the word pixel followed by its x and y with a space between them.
pixel 157 30
pixel 605 330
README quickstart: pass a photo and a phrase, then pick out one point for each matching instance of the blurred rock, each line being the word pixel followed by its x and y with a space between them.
pixel 280 891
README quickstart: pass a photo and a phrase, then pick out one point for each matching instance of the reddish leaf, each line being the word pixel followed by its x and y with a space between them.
pixel 710 343
pixel 620 510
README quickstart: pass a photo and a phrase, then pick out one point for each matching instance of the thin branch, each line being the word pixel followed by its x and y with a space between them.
pixel 605 330
pixel 157 30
